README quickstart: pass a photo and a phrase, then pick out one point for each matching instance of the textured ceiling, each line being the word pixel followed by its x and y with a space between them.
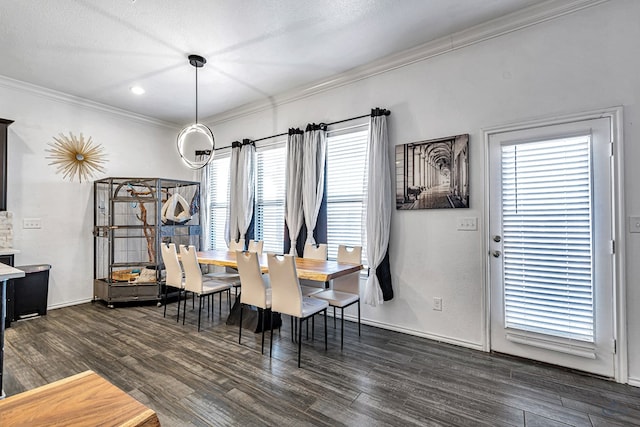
pixel 97 49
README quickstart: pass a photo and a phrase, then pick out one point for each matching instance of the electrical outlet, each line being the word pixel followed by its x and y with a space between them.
pixel 31 223
pixel 467 224
pixel 634 224
pixel 437 304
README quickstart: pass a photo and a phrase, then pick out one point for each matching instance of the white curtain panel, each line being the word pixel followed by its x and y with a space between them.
pixel 314 154
pixel 246 187
pixel 205 219
pixel 231 229
pixel 293 201
pixel 379 205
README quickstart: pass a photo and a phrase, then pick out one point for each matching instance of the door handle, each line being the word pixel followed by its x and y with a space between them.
pixel 496 254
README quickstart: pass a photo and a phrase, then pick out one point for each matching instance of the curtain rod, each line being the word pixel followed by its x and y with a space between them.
pixel 386 113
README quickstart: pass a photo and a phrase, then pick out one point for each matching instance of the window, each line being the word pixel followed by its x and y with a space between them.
pixel 218 199
pixel 346 188
pixel 546 215
pixel 270 195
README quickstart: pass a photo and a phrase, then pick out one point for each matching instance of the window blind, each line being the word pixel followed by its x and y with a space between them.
pixel 345 188
pixel 270 195
pixel 547 237
pixel 219 199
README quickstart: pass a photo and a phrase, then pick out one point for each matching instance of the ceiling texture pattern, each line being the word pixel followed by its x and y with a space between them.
pixel 255 49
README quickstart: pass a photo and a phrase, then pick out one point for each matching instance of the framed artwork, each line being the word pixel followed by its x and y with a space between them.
pixel 433 174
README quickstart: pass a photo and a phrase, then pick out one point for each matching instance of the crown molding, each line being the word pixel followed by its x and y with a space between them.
pixel 536 14
pixel 65 98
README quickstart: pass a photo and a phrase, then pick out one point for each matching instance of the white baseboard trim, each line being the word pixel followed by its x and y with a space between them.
pixel 633 381
pixel 68 304
pixel 408 331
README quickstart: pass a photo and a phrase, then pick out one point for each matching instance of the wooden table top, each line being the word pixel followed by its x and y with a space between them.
pixel 7 272
pixel 85 399
pixel 310 269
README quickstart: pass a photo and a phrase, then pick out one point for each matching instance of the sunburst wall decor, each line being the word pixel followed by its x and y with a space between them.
pixel 75 156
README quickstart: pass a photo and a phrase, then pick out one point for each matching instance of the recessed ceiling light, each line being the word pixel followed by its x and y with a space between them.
pixel 136 90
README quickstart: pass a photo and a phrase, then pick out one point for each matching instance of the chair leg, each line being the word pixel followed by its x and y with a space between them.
pixel 229 299
pixel 261 321
pixel 184 308
pixel 193 301
pixel 334 317
pixel 293 331
pixel 325 329
pixel 209 307
pixel 220 303
pixel 165 300
pixel 299 340
pixel 313 328
pixel 240 328
pixel 213 304
pixel 341 328
pixel 199 310
pixel 271 339
pixel 358 317
pixel 179 293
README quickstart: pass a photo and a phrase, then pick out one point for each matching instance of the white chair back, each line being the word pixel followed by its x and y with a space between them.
pixel 171 265
pixel 286 297
pixel 236 246
pixel 254 288
pixel 192 272
pixel 315 251
pixel 351 282
pixel 256 246
pixel 350 254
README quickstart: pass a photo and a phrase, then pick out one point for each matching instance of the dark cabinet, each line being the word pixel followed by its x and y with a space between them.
pixel 4 125
pixel 10 296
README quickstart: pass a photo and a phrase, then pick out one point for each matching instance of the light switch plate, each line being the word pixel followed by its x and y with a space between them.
pixel 467 224
pixel 32 223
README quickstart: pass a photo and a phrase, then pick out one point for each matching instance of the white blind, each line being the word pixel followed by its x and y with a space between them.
pixel 270 195
pixel 547 226
pixel 219 199
pixel 346 186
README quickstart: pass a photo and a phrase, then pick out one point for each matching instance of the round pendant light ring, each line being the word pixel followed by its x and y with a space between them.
pixel 195 145
pixel 196 142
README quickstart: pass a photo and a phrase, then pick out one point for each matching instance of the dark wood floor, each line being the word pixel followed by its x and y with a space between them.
pixel 380 378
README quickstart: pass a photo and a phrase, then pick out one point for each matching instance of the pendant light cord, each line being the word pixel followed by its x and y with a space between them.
pixel 196 95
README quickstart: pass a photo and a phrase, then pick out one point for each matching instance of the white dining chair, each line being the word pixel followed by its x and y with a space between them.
pixel 256 246
pixel 345 290
pixel 319 252
pixel 174 275
pixel 256 290
pixel 198 285
pixel 236 245
pixel 286 297
pixel 228 274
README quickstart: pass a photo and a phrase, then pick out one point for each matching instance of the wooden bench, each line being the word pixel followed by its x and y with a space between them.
pixel 85 399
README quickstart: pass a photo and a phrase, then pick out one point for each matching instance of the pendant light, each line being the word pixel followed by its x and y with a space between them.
pixel 196 142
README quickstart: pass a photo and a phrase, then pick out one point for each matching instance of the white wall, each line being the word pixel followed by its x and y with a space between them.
pixel 580 62
pixel 133 147
pixel 583 61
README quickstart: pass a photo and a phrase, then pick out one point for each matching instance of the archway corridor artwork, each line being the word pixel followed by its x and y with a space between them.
pixel 433 174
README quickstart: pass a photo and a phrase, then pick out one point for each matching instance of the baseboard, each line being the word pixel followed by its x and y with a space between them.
pixel 68 304
pixel 633 381
pixel 434 337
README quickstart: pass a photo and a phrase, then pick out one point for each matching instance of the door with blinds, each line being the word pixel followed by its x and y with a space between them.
pixel 551 244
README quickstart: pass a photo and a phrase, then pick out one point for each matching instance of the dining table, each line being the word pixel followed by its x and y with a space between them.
pixel 309 269
pixel 306 268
